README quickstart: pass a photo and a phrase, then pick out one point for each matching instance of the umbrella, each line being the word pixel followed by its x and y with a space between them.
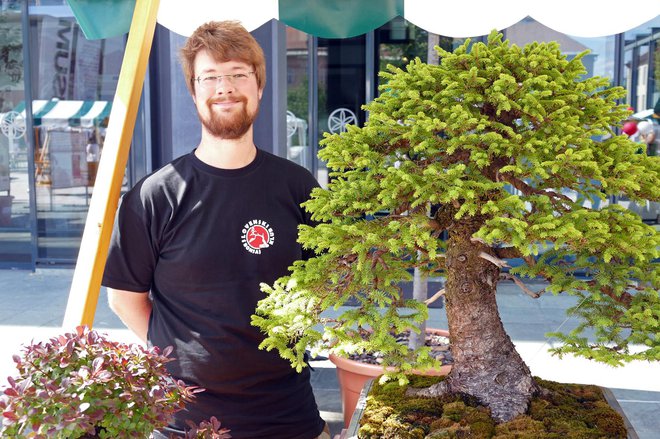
pixel 643 114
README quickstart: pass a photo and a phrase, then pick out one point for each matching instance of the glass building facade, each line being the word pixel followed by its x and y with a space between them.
pixel 57 87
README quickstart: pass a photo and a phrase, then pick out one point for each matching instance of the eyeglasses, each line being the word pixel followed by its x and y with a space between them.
pixel 211 82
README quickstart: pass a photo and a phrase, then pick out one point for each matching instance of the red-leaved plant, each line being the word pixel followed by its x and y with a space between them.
pixel 84 385
pixel 207 430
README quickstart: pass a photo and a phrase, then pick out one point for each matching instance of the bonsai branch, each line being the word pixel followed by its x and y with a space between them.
pixel 377 258
pixel 499 262
pixel 435 297
pixel 507 253
pixel 556 199
pixel 522 286
pixel 624 298
pixel 436 225
pixel 512 253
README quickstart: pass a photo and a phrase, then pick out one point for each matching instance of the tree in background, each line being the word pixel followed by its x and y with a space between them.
pixel 453 137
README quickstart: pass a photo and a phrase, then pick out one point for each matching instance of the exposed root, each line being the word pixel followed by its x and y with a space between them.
pixel 436 390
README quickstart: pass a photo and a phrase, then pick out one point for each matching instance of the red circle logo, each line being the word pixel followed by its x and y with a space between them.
pixel 258 237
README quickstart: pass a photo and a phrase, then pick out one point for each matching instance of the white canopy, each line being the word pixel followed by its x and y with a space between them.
pixel 584 18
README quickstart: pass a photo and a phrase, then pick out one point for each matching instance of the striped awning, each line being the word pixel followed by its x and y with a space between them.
pixel 84 114
pixel 347 18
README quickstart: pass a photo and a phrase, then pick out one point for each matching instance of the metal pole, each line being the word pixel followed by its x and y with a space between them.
pixel 29 132
pixel 87 276
pixel 313 100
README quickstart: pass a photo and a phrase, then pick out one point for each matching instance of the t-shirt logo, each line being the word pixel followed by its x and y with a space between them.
pixel 256 236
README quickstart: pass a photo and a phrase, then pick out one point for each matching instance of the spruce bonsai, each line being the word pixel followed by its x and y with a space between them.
pixel 442 150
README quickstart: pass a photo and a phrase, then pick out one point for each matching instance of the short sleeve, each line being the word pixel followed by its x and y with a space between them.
pixel 132 254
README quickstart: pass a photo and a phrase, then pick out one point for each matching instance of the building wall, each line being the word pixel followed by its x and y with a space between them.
pixel 314 86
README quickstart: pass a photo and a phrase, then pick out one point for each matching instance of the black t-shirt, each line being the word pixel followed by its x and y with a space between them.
pixel 201 240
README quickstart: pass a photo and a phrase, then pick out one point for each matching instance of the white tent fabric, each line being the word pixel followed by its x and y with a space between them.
pixel 251 13
pixel 582 18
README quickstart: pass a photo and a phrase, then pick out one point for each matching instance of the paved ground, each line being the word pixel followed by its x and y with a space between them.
pixel 33 304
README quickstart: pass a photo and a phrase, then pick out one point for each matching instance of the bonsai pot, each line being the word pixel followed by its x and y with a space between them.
pixel 353 375
pixel 351 430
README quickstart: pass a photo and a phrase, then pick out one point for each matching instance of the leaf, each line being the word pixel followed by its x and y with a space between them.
pixel 167 351
pixel 10 391
pixel 9 414
pixel 97 364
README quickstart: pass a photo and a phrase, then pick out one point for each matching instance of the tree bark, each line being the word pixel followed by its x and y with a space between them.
pixel 486 364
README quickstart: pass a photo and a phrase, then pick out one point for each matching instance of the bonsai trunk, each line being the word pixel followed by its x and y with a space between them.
pixel 486 364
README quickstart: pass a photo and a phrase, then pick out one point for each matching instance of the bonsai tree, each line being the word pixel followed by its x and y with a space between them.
pixel 442 150
pixel 84 385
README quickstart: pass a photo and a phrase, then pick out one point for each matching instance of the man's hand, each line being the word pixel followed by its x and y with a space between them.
pixel 133 308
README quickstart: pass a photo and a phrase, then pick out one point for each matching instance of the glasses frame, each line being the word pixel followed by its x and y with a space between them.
pixel 232 78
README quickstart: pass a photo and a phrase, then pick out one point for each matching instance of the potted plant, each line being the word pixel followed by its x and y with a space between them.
pixel 354 371
pixel 455 139
pixel 83 385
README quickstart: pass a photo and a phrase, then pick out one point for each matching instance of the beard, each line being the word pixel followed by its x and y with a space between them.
pixel 228 125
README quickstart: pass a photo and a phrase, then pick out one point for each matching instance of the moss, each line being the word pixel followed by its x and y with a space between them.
pixel 442 423
pixel 455 431
pixel 520 425
pixel 561 411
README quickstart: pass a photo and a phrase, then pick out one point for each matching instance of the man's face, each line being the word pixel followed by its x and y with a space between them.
pixel 227 108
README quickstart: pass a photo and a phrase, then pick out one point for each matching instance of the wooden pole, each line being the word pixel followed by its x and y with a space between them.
pixel 84 293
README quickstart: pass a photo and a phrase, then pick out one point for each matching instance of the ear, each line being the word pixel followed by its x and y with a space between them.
pixel 261 92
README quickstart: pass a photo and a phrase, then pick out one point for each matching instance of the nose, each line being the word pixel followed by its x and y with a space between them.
pixel 223 85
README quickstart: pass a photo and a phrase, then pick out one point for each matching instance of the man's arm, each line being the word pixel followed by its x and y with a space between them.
pixel 133 308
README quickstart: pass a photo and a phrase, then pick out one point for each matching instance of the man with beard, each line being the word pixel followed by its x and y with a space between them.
pixel 185 264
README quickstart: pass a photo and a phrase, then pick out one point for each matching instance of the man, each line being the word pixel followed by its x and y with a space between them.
pixel 193 241
pixel 649 133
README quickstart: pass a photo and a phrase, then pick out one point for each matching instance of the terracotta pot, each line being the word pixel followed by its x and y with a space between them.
pixel 352 376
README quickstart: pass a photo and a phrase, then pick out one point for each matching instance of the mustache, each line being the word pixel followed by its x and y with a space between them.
pixel 217 100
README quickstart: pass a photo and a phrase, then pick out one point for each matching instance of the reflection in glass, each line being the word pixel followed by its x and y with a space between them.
pixel 73 84
pixel 642 66
pixel 15 237
pixel 398 42
pixel 298 148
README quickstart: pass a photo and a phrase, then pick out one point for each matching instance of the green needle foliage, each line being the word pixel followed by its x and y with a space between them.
pixel 456 139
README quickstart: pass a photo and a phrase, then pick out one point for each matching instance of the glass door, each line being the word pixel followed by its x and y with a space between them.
pixel 15 236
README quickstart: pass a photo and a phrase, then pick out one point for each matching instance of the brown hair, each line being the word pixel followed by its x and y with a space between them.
pixel 225 41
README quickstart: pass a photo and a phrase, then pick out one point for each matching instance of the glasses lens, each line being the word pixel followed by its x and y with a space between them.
pixel 208 82
pixel 211 82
